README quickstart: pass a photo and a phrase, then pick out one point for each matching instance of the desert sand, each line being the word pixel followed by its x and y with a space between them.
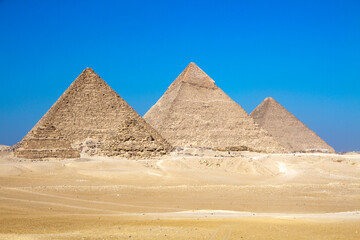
pixel 189 194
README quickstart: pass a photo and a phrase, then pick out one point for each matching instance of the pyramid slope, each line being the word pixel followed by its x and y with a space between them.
pixel 287 129
pixel 46 142
pixel 194 112
pixel 90 112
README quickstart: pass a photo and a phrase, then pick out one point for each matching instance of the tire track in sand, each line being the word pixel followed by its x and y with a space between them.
pixel 91 201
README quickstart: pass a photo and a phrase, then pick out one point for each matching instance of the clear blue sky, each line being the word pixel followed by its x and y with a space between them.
pixel 303 53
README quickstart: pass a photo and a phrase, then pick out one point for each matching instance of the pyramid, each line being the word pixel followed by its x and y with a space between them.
pixel 289 131
pixel 133 140
pixel 46 142
pixel 194 112
pixel 89 114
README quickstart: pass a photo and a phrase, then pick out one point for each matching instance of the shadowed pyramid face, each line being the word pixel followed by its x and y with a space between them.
pixel 194 112
pixel 90 111
pixel 287 129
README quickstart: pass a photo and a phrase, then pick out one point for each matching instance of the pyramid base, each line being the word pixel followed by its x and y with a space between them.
pixel 39 154
pixel 126 153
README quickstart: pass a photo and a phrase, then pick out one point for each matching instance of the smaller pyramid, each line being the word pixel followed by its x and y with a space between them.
pixel 289 131
pixel 135 139
pixel 46 142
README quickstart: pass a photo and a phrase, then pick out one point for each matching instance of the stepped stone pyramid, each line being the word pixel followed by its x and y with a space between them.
pixel 194 112
pixel 89 114
pixel 131 140
pixel 287 129
pixel 46 142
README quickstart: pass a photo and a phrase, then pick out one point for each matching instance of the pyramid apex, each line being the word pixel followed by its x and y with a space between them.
pixel 88 70
pixel 193 66
pixel 195 76
pixel 269 102
pixel 88 73
pixel 269 99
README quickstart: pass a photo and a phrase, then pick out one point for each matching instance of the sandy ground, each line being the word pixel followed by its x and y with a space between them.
pixel 191 194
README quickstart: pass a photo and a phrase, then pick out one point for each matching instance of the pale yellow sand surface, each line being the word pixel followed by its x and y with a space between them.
pixel 191 194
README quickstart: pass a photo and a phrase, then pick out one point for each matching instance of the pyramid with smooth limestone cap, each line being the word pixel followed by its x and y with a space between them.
pixel 90 115
pixel 194 112
pixel 289 131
